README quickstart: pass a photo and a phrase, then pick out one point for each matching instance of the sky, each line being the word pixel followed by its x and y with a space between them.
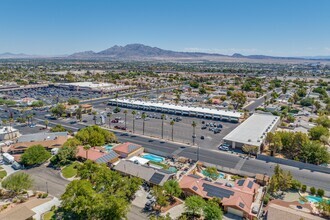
pixel 269 27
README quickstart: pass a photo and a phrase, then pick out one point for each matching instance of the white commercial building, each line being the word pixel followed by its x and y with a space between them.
pixel 252 131
pixel 202 112
pixel 92 86
pixel 8 132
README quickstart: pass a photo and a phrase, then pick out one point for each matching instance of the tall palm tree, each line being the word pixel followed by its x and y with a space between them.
pixel 94 117
pixel 125 112
pixel 110 114
pixel 172 124
pixel 163 117
pixel 194 124
pixel 86 148
pixel 11 121
pixel 143 116
pixel 133 113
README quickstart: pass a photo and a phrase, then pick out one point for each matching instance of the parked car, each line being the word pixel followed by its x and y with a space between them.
pixel 224 148
pixel 203 128
pixel 202 137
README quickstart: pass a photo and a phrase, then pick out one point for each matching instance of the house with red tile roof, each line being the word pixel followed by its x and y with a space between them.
pixel 128 149
pixel 237 198
pixel 97 154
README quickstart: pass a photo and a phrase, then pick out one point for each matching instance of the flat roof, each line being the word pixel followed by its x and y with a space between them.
pixel 253 130
pixel 203 110
pixel 7 130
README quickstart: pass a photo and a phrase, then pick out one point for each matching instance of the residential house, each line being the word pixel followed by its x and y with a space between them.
pixel 128 149
pixel 238 198
pixel 149 174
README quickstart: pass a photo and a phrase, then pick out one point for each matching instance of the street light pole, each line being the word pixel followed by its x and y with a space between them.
pixel 47 186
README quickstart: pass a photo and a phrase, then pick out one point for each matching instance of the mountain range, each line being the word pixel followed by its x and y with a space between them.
pixel 140 52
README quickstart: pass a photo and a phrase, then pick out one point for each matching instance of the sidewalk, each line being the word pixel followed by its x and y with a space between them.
pixel 41 209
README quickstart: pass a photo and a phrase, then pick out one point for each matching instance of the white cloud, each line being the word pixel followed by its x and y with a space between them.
pixel 228 51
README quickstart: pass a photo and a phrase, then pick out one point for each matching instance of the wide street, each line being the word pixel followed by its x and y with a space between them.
pixel 213 156
pixel 258 102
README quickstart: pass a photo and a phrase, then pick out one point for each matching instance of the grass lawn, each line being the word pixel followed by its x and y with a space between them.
pixel 3 173
pixel 70 170
pixel 48 215
pixel 164 166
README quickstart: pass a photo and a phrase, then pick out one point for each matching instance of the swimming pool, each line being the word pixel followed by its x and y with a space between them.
pixel 108 147
pixel 315 199
pixel 153 157
pixel 221 175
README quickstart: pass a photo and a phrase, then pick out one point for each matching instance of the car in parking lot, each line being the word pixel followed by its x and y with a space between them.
pixel 224 148
pixel 202 137
pixel 203 127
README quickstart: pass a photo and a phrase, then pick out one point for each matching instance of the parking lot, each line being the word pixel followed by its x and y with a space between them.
pixel 50 95
pixel 182 128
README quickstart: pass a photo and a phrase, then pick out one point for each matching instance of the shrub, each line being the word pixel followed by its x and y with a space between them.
pixel 313 190
pixel 266 198
pixel 295 184
pixel 320 192
pixel 303 188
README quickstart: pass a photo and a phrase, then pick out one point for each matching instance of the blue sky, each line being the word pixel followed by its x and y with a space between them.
pixel 270 27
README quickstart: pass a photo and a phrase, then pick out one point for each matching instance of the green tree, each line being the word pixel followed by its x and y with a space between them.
pixel 73 101
pixel 318 131
pixel 249 149
pixel 46 123
pixel 314 152
pixel 58 110
pixel 320 192
pixel 58 128
pixel 172 188
pixel 79 113
pixel 36 154
pixel 194 205
pixel 239 98
pixel 313 190
pixel 17 182
pixel 161 197
pixel 324 207
pixel 95 136
pixel 212 211
pixel 281 180
pixel 212 172
pixel 323 121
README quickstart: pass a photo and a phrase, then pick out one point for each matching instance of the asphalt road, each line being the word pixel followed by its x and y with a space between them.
pixel 258 102
pixel 47 179
pixel 316 179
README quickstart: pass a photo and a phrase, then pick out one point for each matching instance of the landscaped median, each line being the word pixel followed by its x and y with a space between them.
pixel 70 171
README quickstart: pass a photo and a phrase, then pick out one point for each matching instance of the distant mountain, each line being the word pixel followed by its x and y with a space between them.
pixel 140 52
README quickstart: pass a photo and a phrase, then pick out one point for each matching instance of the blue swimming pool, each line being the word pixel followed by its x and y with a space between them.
pixel 315 199
pixel 153 157
pixel 221 175
pixel 108 147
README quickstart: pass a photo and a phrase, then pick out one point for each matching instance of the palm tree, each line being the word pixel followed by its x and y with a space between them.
pixel 125 112
pixel 94 117
pixel 110 114
pixel 86 148
pixel 46 123
pixel 11 121
pixel 163 117
pixel 143 116
pixel 133 113
pixel 194 124
pixel 172 124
